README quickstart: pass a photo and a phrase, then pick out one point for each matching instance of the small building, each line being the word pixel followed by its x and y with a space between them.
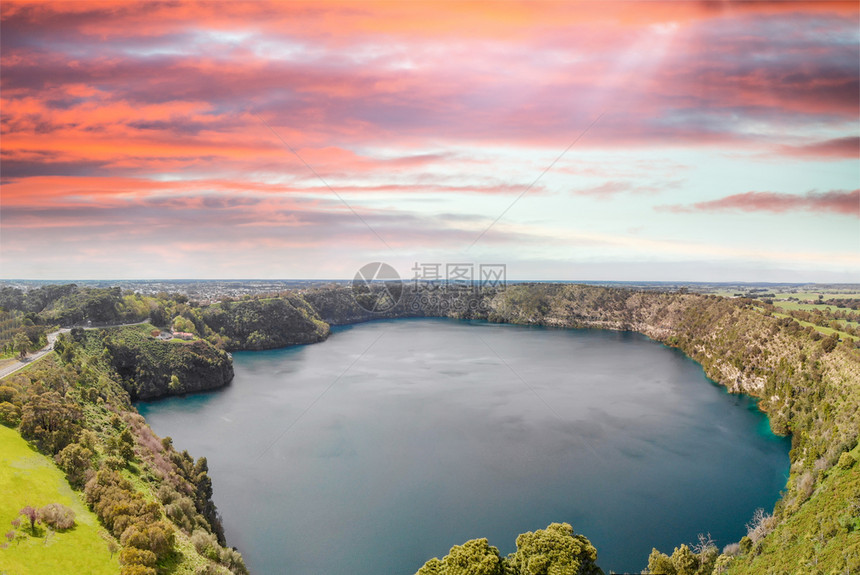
pixel 183 335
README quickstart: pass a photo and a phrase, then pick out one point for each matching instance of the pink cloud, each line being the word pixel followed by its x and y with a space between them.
pixel 837 149
pixel 841 202
pixel 615 187
pixel 146 116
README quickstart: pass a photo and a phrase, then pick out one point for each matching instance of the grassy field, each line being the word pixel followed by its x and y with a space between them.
pixel 814 295
pixel 30 478
pixel 821 329
pixel 791 305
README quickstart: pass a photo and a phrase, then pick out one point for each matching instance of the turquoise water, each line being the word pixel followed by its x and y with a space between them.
pixel 392 441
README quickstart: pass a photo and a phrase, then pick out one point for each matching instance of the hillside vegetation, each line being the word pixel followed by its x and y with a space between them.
pixel 148 367
pixel 265 323
pixel 76 404
pixel 154 503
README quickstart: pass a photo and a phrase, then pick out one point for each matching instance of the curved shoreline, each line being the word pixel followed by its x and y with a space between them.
pixel 423 335
pixel 738 347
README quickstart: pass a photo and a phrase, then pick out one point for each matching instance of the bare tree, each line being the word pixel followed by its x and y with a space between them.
pixel 760 525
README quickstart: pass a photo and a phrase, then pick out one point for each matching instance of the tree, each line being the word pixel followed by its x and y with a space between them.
pixel 135 556
pixel 32 516
pixel 685 561
pixel 555 550
pixel 660 564
pixel 475 557
pixel 10 414
pixel 829 343
pixel 184 324
pixel 137 570
pixel 158 537
pixel 75 460
pixel 7 394
pixel 126 445
pixel 50 421
pixel 22 344
pixel 175 385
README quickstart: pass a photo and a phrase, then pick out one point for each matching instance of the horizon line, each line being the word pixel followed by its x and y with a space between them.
pixel 410 280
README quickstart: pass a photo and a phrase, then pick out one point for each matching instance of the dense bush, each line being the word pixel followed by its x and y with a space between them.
pixel 10 414
pixel 554 550
pixel 128 515
pixel 57 516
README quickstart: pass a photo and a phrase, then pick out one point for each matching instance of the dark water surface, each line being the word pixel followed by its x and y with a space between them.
pixel 432 432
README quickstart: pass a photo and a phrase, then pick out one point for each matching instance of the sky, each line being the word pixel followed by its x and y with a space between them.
pixel 628 141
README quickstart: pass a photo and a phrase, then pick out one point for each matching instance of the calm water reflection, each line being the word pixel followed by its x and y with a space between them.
pixel 431 432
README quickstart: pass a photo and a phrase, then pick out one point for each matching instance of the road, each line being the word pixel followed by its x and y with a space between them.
pixel 52 337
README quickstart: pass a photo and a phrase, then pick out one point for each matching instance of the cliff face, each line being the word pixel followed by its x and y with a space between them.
pixel 808 389
pixel 146 366
pixel 739 345
pixel 266 324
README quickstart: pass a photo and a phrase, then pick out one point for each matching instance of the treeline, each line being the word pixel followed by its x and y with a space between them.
pixel 69 304
pixel 839 320
pixel 853 303
pixel 34 312
pixel 264 323
pixel 556 549
pixel 149 497
pixel 254 323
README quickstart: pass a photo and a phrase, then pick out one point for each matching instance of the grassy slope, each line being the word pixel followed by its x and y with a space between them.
pixel 53 487
pixel 30 478
pixel 816 538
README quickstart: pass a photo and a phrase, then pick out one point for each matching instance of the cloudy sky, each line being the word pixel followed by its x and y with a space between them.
pixel 708 141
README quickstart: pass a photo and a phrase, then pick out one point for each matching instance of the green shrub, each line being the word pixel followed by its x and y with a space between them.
pixel 10 415
pixel 134 556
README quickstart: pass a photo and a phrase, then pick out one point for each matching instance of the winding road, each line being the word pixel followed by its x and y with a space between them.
pixel 52 337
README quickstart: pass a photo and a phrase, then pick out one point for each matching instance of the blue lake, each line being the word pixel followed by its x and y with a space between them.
pixel 392 441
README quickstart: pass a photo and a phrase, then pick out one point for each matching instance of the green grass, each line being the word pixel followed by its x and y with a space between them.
pixel 793 305
pixel 819 533
pixel 828 294
pixel 30 478
pixel 821 329
pixel 801 295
